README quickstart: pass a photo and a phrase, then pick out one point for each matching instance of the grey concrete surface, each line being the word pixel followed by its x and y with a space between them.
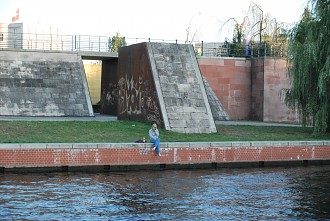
pixel 43 84
pixel 97 117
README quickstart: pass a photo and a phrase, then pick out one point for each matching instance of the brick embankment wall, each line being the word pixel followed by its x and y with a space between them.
pixel 114 156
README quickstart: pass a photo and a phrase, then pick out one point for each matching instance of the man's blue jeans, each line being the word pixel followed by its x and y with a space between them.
pixel 156 142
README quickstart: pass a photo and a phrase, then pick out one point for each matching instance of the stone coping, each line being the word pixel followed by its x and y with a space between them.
pixel 252 144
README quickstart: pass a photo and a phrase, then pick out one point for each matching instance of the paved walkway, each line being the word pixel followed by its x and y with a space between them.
pixel 255 123
pixel 100 117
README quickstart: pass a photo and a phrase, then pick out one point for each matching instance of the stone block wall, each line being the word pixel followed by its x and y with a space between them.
pixel 178 78
pixel 218 112
pixel 257 93
pixel 250 89
pixel 276 84
pixel 230 79
pixel 43 84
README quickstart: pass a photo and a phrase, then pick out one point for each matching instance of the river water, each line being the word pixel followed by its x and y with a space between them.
pixel 298 193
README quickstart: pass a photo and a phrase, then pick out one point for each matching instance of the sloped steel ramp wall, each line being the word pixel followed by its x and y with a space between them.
pixel 180 89
pixel 38 83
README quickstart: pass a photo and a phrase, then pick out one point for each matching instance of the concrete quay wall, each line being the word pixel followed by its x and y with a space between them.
pixel 41 83
pixel 133 156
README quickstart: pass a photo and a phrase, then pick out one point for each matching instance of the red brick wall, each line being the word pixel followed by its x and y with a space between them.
pixel 140 154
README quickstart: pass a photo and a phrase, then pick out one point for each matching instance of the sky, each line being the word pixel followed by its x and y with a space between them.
pixel 168 20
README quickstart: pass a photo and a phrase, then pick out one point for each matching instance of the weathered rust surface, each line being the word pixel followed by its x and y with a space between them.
pixel 137 97
pixel 109 92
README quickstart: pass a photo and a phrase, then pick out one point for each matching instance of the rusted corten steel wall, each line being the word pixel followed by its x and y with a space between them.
pixel 137 96
pixel 109 79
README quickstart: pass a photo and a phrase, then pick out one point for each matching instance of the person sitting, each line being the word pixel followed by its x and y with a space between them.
pixel 154 138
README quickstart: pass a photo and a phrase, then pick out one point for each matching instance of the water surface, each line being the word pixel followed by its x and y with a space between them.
pixel 300 193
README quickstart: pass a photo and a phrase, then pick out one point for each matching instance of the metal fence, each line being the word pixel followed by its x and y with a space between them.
pixel 33 41
pixel 227 49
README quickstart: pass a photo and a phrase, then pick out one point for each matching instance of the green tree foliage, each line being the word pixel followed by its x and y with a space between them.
pixel 264 34
pixel 116 42
pixel 309 62
pixel 238 46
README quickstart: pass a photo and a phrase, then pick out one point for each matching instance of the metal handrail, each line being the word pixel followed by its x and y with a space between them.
pixel 37 41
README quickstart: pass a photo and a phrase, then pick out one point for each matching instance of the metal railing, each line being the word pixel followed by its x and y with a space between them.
pixel 33 41
pixel 226 49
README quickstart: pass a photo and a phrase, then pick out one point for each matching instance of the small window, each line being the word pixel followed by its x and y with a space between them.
pixel 1 37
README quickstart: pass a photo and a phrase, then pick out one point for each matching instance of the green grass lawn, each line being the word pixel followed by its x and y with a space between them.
pixel 128 131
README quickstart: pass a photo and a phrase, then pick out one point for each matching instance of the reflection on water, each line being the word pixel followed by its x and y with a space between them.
pixel 223 194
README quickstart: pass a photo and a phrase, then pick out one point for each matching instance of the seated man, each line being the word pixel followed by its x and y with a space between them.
pixel 154 138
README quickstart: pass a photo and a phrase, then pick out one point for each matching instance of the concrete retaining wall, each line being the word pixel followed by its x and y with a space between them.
pixel 250 89
pixel 36 83
pixel 162 82
pixel 133 155
pixel 276 84
pixel 230 79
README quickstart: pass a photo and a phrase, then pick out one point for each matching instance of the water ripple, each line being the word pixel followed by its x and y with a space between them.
pixel 224 194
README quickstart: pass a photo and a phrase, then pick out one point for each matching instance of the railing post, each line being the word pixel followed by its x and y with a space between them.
pixel 251 51
pixel 36 44
pixel 75 42
pixel 202 53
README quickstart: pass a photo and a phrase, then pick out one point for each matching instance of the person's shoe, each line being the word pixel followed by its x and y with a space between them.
pixel 159 154
pixel 154 148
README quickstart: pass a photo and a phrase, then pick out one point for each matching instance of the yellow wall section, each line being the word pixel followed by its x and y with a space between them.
pixel 93 75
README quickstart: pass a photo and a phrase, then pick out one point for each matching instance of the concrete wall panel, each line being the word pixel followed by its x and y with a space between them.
pixel 250 89
pixel 43 84
pixel 276 84
pixel 231 82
